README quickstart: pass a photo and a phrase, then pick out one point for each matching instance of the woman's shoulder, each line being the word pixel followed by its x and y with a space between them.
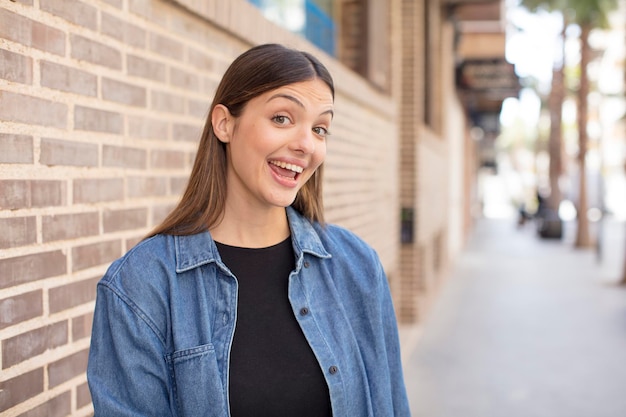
pixel 334 232
pixel 354 266
pixel 139 283
pixel 338 239
pixel 152 254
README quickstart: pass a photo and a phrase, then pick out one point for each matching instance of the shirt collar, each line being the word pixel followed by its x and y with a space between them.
pixel 199 249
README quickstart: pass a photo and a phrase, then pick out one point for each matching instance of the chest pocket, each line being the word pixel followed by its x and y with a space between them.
pixel 197 383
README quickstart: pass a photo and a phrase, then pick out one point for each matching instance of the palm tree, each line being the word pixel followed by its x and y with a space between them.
pixel 588 14
pixel 555 105
pixel 623 280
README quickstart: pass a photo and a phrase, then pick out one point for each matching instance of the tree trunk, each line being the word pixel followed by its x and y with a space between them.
pixel 623 280
pixel 557 94
pixel 582 236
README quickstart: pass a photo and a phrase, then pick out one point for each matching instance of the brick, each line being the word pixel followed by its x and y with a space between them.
pixel 146 187
pixel 83 396
pixel 81 326
pixel 73 11
pixel 28 268
pixel 58 406
pixel 15 67
pixel 145 68
pixel 123 93
pixel 48 39
pixel 144 128
pixel 62 152
pixel 20 388
pixel 114 3
pixel 69 226
pixel 96 120
pixel 20 308
pixel 209 86
pixel 167 47
pixel 128 219
pixel 67 368
pixel 18 231
pixel 119 156
pixel 16 149
pixel 123 31
pixel 15 194
pixel 187 27
pixel 186 132
pixel 184 79
pixel 30 33
pixel 95 254
pixel 18 194
pixel 160 212
pixel 178 185
pixel 71 295
pixel 200 60
pixel 48 193
pixel 130 243
pixel 167 102
pixel 33 343
pixel 98 190
pixel 146 9
pixel 167 159
pixel 15 28
pixel 32 110
pixel 191 156
pixel 61 77
pixel 95 52
pixel 198 108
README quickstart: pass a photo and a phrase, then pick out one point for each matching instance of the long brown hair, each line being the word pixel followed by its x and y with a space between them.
pixel 256 71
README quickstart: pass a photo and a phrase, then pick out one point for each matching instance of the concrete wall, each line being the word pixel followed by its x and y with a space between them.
pixel 101 105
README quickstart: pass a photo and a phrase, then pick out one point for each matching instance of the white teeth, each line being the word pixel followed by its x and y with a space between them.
pixel 291 167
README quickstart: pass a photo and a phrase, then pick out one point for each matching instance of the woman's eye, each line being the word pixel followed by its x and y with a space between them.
pixel 281 120
pixel 321 131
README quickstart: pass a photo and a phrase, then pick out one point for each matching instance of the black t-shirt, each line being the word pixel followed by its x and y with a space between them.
pixel 273 371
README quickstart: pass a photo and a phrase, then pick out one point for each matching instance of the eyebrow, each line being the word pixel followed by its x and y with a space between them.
pixel 297 102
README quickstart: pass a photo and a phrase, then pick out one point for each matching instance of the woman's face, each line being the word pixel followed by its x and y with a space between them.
pixel 276 144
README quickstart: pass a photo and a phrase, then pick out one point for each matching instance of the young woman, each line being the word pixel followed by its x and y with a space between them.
pixel 243 302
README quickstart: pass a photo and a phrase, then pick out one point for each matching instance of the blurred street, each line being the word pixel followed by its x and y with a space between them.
pixel 523 327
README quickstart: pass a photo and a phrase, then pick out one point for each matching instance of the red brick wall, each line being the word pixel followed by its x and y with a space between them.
pixel 101 105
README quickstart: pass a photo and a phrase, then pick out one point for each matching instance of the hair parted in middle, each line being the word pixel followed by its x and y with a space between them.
pixel 260 69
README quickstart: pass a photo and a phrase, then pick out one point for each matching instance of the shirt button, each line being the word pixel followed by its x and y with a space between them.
pixel 306 264
pixel 333 370
pixel 304 311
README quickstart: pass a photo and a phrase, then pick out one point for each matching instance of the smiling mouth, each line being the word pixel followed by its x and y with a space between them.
pixel 285 169
pixel 291 167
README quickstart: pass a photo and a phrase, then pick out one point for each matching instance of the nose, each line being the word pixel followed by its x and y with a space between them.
pixel 304 142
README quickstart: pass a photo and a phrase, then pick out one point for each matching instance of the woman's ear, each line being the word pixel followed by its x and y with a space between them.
pixel 222 122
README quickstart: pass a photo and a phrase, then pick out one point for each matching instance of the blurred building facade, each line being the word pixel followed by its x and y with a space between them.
pixel 102 103
pixel 451 81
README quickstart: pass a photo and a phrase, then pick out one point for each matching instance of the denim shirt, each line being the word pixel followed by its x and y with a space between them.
pixel 165 318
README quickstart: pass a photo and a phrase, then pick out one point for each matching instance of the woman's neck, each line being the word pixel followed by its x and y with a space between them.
pixel 252 228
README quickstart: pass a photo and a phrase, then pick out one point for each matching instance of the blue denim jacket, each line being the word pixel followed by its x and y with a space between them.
pixel 165 318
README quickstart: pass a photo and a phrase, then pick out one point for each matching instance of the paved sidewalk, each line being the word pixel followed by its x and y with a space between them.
pixel 524 327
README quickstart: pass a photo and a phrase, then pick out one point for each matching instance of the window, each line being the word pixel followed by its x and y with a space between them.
pixel 311 19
